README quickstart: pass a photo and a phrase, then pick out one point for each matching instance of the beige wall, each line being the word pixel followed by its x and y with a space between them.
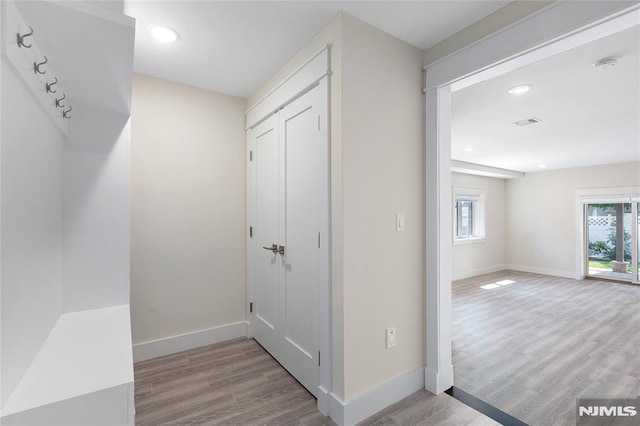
pixel 383 174
pixel 188 209
pixel 490 255
pixel 501 18
pixel 542 216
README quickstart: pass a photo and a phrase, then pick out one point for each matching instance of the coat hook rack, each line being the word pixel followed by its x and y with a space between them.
pixel 50 85
pixel 65 114
pixel 22 37
pixel 36 66
pixel 59 103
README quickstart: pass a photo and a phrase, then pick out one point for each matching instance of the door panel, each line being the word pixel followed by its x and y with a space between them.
pixel 265 262
pixel 610 230
pixel 301 147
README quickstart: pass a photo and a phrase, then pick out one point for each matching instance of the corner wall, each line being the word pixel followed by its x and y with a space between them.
pixel 188 211
pixel 541 215
pixel 383 174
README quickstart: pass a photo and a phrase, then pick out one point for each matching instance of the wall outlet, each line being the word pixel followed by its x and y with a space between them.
pixel 400 222
pixel 391 337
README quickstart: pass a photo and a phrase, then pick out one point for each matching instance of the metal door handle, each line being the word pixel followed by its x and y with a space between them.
pixel 280 250
pixel 273 248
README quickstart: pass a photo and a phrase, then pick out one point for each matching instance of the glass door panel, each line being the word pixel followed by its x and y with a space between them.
pixel 610 228
pixel 636 254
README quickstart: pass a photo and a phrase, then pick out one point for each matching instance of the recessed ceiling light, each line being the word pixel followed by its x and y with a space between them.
pixel 542 166
pixel 163 34
pixel 518 90
pixel 469 149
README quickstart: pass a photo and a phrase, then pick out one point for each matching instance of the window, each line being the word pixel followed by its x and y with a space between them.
pixel 468 215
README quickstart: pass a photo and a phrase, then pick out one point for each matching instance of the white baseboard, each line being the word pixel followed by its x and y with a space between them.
pixel 354 411
pixel 544 271
pixel 460 275
pixel 183 342
pixel 324 401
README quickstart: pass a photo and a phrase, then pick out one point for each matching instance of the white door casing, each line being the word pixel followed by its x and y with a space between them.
pixel 552 30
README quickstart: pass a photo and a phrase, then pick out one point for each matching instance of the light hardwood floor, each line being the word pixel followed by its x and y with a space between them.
pixel 531 347
pixel 239 383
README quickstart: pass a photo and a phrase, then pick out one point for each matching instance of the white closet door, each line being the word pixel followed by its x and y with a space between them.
pixel 290 198
pixel 301 153
pixel 265 263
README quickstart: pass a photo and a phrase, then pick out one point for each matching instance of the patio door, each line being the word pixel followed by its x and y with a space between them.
pixel 612 240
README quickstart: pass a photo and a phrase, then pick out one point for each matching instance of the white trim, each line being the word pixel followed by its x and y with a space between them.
pixel 183 342
pixel 553 30
pixel 482 170
pixel 561 27
pixel 594 195
pixel 377 399
pixel 470 240
pixel 438 247
pixel 440 380
pixel 544 271
pixel 475 272
pixel 297 83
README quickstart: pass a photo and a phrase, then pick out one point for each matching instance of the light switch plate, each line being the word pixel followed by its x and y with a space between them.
pixel 391 337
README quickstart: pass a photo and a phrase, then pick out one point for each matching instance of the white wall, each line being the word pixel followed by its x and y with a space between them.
pixel 490 255
pixel 383 174
pixel 542 218
pixel 188 209
pixel 31 211
pixel 96 177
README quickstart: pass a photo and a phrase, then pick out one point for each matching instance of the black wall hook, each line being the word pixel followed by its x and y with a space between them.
pixel 36 66
pixel 65 114
pixel 59 103
pixel 49 85
pixel 22 37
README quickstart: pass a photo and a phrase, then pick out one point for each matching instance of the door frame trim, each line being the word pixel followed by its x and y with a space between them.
pixel 585 197
pixel 554 29
pixel 311 74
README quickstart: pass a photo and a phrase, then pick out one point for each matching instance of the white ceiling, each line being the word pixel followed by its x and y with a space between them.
pixel 589 116
pixel 232 47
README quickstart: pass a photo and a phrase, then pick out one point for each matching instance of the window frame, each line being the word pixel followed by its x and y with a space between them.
pixel 477 198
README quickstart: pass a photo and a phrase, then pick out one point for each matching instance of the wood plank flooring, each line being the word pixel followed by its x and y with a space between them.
pixel 239 383
pixel 531 347
pixel 231 383
pixel 426 409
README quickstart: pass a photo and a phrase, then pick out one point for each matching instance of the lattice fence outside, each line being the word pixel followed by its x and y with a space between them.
pixel 600 227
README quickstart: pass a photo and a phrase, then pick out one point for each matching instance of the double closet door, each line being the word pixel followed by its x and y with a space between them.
pixel 288 196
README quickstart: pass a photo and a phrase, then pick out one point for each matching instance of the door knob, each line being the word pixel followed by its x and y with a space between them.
pixel 280 250
pixel 273 248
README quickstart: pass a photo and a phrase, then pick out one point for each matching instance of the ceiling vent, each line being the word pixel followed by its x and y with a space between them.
pixel 527 121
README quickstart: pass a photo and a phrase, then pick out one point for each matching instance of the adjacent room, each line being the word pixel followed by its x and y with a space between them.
pixel 546 174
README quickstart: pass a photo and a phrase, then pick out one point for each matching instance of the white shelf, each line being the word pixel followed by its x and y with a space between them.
pixel 85 352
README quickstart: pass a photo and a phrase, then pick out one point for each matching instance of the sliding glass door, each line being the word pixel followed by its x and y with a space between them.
pixel 612 240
